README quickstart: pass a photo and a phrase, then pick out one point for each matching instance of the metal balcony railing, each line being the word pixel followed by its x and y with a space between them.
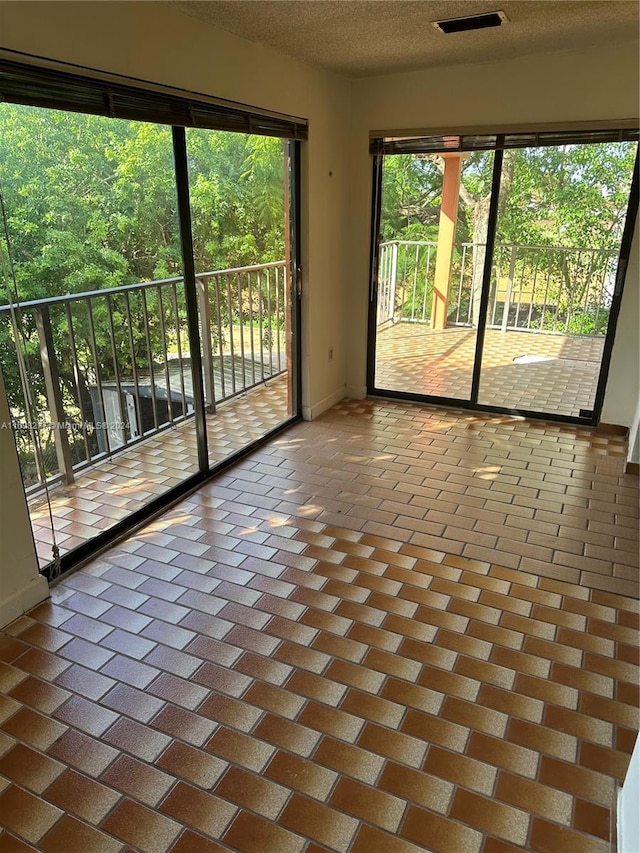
pixel 533 288
pixel 88 374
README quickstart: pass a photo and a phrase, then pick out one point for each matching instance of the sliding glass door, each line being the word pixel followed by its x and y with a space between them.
pixel 560 222
pixel 239 191
pixel 498 268
pixel 95 353
pixel 148 316
pixel 433 228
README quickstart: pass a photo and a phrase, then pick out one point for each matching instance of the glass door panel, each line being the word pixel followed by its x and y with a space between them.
pixel 561 215
pixel 433 227
pixel 93 333
pixel 239 197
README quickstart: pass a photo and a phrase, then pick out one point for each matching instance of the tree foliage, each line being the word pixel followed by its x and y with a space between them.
pixel 569 195
pixel 91 204
pixel 565 197
pixel 91 201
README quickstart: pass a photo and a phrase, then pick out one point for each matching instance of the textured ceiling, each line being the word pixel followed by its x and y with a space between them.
pixel 367 37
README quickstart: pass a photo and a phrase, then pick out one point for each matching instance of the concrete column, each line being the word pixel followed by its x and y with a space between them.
pixel 446 238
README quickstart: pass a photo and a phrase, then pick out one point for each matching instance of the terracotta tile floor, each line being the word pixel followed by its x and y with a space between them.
pixel 108 491
pixel 393 629
pixel 411 357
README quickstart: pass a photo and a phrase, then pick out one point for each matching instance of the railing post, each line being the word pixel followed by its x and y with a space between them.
pixel 54 392
pixel 567 280
pixel 392 282
pixel 507 298
pixel 207 352
pixel 27 395
pixel 381 284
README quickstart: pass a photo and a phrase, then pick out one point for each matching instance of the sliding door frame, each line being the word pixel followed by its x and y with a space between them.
pixel 375 239
pixel 623 263
pixel 116 97
pixel 88 551
pixel 294 153
pixel 496 180
pixel 592 419
pixel 190 291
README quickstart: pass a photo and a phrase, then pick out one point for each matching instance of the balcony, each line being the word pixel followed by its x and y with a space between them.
pixel 107 491
pixel 101 392
pixel 112 367
pixel 547 319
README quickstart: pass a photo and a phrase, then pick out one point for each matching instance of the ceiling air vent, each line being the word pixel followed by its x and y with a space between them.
pixel 473 22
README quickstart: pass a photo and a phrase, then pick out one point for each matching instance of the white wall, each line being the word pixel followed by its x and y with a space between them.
pixel 628 813
pixel 592 85
pixel 21 587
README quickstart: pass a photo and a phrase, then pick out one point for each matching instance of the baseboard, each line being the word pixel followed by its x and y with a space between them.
pixel 612 429
pixel 310 413
pixel 24 599
pixel 355 392
pixel 633 468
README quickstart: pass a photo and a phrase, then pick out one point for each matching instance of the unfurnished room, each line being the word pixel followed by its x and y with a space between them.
pixel 319 426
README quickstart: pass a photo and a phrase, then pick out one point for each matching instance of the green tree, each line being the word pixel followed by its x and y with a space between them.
pixel 411 197
pixel 91 204
pixel 571 197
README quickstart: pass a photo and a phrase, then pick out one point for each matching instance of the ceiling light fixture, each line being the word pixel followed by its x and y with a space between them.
pixel 472 22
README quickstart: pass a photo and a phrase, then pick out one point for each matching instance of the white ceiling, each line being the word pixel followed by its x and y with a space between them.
pixel 367 37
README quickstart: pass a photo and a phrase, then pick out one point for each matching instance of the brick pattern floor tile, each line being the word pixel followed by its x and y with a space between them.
pixel 559 373
pixel 291 660
pixel 110 490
